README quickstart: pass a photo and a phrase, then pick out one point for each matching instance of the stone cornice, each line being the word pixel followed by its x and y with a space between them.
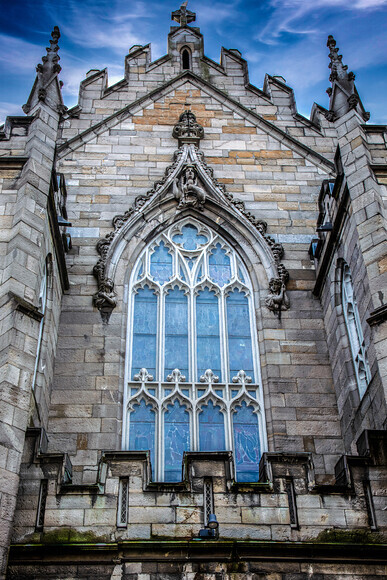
pixel 183 550
pixel 378 315
pixel 12 163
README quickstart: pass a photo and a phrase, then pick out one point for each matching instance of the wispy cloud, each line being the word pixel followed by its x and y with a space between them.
pixel 93 24
pixel 294 16
pixel 19 55
pixel 9 109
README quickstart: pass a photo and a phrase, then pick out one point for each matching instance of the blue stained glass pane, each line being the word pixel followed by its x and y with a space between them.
pixel 200 273
pixel 207 328
pixel 144 331
pixel 140 272
pixel 241 277
pixel 152 392
pixel 142 430
pixel 211 428
pixel 190 262
pixel 219 266
pixel 246 444
pixel 234 393
pixel 189 238
pixel 133 391
pixel 167 392
pixel 176 332
pixel 239 335
pixel 182 275
pixel 253 394
pixel 201 392
pixel 185 392
pixel 161 264
pixel 176 440
pixel 219 392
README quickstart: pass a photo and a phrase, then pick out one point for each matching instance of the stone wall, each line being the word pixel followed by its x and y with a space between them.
pixel 115 146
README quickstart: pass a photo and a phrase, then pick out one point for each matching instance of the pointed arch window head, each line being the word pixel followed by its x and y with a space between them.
pixel 354 331
pixel 186 58
pixel 191 326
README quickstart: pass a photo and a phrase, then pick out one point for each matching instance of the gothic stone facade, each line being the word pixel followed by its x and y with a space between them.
pixel 75 501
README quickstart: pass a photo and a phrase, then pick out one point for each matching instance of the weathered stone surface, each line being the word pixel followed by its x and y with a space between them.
pixel 111 150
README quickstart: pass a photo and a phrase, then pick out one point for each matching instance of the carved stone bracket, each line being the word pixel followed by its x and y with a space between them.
pixel 277 299
pixel 105 298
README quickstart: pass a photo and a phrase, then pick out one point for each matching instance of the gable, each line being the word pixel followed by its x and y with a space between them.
pixel 204 92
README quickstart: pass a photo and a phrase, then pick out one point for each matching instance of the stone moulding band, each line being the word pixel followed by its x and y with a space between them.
pixel 203 188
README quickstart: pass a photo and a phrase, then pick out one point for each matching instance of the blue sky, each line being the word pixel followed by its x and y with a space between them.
pixel 280 37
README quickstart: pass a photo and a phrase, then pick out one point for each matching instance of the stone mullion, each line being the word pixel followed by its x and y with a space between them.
pixel 192 331
pixel 128 371
pixel 159 450
pixel 225 364
pixel 160 339
pixel 223 338
pixel 160 358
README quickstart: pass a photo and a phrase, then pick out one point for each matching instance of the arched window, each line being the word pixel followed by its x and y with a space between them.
pixel 192 372
pixel 355 332
pixel 42 309
pixel 185 58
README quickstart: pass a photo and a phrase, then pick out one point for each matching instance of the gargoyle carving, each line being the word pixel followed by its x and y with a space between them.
pixel 105 298
pixel 277 299
pixel 187 191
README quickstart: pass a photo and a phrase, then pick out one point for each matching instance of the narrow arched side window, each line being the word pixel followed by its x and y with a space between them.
pixel 354 331
pixel 186 58
pixel 42 310
pixel 192 353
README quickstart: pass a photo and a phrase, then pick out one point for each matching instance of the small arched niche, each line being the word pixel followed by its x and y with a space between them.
pixel 186 58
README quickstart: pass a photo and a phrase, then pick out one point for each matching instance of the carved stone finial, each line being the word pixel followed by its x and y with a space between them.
pixel 209 377
pixel 176 377
pixel 143 376
pixel 339 70
pixel 242 378
pixel 183 16
pixel 46 72
pixel 277 299
pixel 188 130
pixel 50 62
pixel 187 190
pixel 343 85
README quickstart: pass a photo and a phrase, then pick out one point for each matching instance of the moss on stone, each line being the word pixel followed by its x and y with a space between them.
pixel 205 71
pixel 71 536
pixel 334 536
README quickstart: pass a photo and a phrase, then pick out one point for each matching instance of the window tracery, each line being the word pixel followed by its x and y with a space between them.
pixel 192 365
pixel 42 309
pixel 354 331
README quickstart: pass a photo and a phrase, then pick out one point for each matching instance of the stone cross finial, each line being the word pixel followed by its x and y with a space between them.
pixel 183 16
